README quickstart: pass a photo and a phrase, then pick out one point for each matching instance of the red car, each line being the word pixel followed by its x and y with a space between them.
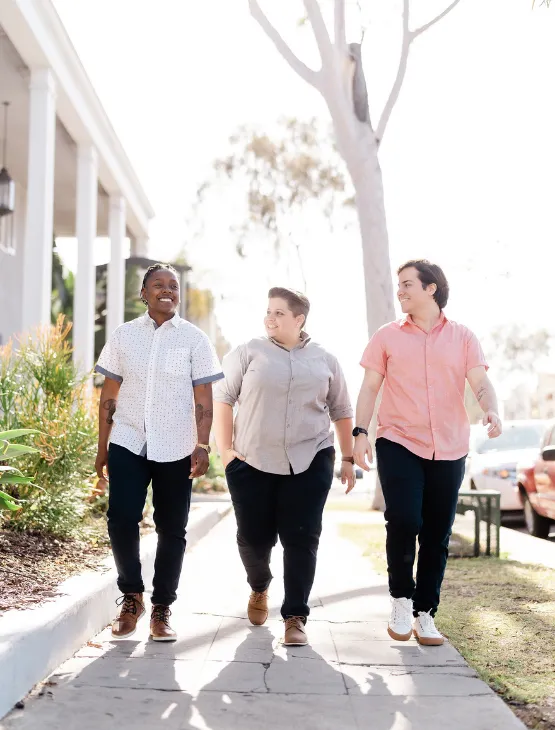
pixel 536 486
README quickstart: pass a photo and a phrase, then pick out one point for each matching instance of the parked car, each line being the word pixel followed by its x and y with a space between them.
pixel 492 463
pixel 536 486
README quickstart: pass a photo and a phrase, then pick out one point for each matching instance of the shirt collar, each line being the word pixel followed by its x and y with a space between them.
pixel 407 319
pixel 147 320
pixel 305 339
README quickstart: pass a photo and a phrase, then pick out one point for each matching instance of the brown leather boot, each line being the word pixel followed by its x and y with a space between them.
pixel 132 609
pixel 258 608
pixel 295 632
pixel 160 629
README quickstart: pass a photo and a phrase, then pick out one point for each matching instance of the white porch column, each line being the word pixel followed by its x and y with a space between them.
pixel 139 247
pixel 116 267
pixel 37 250
pixel 85 283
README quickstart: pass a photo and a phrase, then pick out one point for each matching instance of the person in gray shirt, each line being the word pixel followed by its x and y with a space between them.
pixel 272 415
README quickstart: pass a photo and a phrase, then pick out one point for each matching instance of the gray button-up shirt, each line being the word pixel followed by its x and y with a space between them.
pixel 285 400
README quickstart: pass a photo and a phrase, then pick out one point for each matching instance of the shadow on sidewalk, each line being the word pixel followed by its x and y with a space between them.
pixel 298 688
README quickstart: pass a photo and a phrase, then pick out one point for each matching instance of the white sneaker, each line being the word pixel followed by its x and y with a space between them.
pixel 400 621
pixel 425 630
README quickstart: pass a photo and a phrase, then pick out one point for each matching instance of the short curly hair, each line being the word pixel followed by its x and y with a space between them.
pixel 151 270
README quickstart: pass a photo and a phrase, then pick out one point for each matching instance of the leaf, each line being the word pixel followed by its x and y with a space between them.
pixel 7 502
pixel 16 480
pixel 11 469
pixel 15 450
pixel 16 433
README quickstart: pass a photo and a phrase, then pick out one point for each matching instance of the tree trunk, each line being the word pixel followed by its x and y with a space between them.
pixel 360 152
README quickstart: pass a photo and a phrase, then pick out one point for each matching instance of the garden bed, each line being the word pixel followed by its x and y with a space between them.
pixel 32 566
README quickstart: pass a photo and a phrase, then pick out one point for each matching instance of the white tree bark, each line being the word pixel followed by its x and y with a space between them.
pixel 357 141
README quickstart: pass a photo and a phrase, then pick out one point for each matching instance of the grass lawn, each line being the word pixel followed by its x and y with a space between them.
pixel 500 615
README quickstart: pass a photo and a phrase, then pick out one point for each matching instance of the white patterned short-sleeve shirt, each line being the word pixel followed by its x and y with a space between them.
pixel 158 367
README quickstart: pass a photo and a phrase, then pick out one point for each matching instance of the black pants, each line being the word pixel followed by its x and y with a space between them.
pixel 420 499
pixel 289 506
pixel 130 476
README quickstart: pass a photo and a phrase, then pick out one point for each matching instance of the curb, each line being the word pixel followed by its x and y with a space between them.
pixel 35 641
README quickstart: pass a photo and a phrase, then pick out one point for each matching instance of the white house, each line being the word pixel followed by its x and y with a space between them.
pixel 72 177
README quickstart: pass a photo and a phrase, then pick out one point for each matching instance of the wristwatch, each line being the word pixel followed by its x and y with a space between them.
pixel 206 447
pixel 358 430
pixel 350 459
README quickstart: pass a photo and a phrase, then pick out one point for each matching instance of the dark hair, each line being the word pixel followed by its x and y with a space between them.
pixel 430 274
pixel 152 269
pixel 298 302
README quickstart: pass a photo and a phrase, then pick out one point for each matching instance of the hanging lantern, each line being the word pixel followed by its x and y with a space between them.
pixel 7 185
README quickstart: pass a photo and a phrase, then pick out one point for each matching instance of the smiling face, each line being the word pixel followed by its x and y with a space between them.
pixel 280 322
pixel 412 295
pixel 161 293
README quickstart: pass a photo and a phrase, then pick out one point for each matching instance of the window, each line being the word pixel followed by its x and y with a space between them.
pixel 7 237
pixel 514 436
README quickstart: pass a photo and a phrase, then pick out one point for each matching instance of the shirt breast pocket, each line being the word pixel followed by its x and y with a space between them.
pixel 177 362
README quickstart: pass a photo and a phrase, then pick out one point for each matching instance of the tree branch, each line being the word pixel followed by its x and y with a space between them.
pixel 339 17
pixel 306 73
pixel 401 71
pixel 320 30
pixel 424 28
pixel 408 37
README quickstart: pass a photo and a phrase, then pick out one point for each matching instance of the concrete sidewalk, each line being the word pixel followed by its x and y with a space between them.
pixel 224 673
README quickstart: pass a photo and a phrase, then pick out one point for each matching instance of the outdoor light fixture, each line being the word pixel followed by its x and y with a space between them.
pixel 7 185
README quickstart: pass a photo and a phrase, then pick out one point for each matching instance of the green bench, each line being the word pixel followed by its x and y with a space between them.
pixel 486 506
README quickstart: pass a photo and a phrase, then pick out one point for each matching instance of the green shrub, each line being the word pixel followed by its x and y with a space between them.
pixel 10 476
pixel 41 389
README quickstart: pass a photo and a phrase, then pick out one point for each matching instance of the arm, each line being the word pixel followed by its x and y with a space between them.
pixel 203 417
pixel 106 410
pixel 485 394
pixel 365 410
pixel 223 432
pixel 344 431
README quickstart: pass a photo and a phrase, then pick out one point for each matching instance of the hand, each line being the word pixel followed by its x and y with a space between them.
pixel 199 462
pixel 361 451
pixel 101 463
pixel 229 454
pixel 348 475
pixel 495 427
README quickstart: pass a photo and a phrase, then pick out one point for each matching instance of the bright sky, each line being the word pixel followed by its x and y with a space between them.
pixel 468 159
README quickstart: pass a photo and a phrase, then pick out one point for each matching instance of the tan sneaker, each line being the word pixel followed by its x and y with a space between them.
pixel 258 608
pixel 295 632
pixel 160 629
pixel 132 609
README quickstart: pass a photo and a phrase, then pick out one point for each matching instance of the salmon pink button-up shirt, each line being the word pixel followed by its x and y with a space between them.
pixel 422 405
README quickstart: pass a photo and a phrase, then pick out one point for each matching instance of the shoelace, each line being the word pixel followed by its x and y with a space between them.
pixel 400 611
pixel 294 622
pixel 257 597
pixel 128 604
pixel 162 614
pixel 427 622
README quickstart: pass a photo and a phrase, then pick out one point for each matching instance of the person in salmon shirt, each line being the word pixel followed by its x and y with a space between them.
pixel 423 433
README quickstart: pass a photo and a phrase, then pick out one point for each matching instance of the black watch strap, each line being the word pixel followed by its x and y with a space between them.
pixel 357 431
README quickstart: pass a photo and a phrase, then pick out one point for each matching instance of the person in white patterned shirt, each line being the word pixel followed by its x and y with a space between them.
pixel 155 417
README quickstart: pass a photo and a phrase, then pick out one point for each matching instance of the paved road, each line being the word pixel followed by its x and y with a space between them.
pixel 225 674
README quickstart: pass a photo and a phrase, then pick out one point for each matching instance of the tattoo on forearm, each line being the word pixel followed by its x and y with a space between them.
pixel 201 413
pixel 110 406
pixel 481 393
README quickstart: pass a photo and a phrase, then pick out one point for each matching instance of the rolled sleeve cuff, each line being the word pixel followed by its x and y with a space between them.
pixel 377 368
pixel 340 413
pixel 208 379
pixel 108 374
pixel 224 398
pixel 481 364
